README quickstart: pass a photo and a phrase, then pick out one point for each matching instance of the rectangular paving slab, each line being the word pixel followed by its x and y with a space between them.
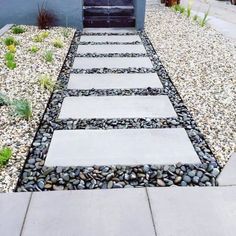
pixel 112 62
pixel 108 48
pixel 120 147
pixel 110 30
pixel 195 211
pixel 114 81
pixel 116 107
pixel 90 213
pixel 13 207
pixel 110 38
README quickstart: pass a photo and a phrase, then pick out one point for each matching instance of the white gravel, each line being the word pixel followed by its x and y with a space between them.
pixel 201 64
pixel 22 82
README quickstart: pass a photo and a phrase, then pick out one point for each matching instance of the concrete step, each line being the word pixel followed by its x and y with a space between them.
pixel 107 49
pixel 110 38
pixel 110 30
pixel 114 81
pixel 112 62
pixel 116 107
pixel 127 147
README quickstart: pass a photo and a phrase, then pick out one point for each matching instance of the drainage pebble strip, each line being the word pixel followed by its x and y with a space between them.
pixel 37 177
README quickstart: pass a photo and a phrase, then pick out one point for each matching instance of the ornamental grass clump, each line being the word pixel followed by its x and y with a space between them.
pixel 58 43
pixel 203 21
pixel 10 60
pixel 18 30
pixel 46 82
pixel 34 49
pixel 11 48
pixel 22 108
pixel 5 155
pixel 48 56
pixel 4 100
pixel 10 41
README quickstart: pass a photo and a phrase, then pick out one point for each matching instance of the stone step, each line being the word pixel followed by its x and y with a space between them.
pixel 114 81
pixel 110 30
pixel 107 48
pixel 117 107
pixel 112 62
pixel 127 147
pixel 110 38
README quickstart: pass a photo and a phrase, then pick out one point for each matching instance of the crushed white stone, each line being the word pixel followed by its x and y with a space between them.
pixel 22 82
pixel 201 64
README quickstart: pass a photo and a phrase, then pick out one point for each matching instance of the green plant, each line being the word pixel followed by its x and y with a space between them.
pixel 34 49
pixel 45 34
pixel 9 56
pixel 10 41
pixel 203 21
pixel 11 48
pixel 11 65
pixel 18 30
pixel 58 43
pixel 195 17
pixel 4 100
pixel 48 56
pixel 189 8
pixel 182 9
pixel 46 82
pixel 178 8
pixel 5 155
pixel 65 33
pixel 22 108
pixel 38 39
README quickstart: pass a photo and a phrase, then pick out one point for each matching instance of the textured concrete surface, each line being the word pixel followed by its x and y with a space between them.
pixel 116 107
pixel 114 81
pixel 110 38
pixel 13 207
pixel 110 30
pixel 90 213
pixel 110 48
pixel 228 174
pixel 112 63
pixel 120 146
pixel 5 28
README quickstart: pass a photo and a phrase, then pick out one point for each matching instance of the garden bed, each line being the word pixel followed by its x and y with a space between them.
pixel 39 54
pixel 201 64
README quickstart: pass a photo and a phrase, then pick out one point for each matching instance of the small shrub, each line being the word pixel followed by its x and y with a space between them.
pixel 38 39
pixel 10 41
pixel 44 35
pixel 48 56
pixel 45 19
pixel 34 49
pixel 46 82
pixel 4 100
pixel 5 155
pixel 11 48
pixel 11 65
pixel 22 109
pixel 58 43
pixel 18 30
pixel 9 56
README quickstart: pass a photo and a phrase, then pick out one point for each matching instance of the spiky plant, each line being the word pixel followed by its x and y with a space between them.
pixel 18 30
pixel 5 155
pixel 22 108
pixel 46 82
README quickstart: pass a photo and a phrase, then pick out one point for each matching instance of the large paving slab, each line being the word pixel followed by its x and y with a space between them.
pixel 90 213
pixel 120 147
pixel 116 107
pixel 114 81
pixel 112 62
pixel 13 207
pixel 110 30
pixel 228 174
pixel 108 48
pixel 195 211
pixel 110 38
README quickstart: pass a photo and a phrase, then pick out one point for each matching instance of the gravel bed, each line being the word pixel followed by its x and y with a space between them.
pixel 37 177
pixel 22 82
pixel 201 64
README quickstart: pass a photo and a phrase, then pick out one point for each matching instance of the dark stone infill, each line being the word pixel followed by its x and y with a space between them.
pixel 36 177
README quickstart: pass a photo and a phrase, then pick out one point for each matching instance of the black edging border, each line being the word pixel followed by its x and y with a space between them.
pixel 39 178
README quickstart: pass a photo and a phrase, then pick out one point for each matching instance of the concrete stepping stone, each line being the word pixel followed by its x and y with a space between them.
pixel 114 81
pixel 227 176
pixel 90 213
pixel 110 38
pixel 13 207
pixel 112 62
pixel 204 211
pixel 127 147
pixel 116 107
pixel 108 48
pixel 110 30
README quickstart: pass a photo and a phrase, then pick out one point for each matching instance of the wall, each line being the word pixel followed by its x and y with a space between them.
pixel 25 11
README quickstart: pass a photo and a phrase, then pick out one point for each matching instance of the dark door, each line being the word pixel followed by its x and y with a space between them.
pixel 109 13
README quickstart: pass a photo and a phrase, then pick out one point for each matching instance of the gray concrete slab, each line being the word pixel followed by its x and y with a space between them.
pixel 112 62
pixel 110 30
pixel 110 48
pixel 13 208
pixel 120 147
pixel 228 174
pixel 195 211
pixel 114 81
pixel 110 38
pixel 116 107
pixel 5 28
pixel 90 213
